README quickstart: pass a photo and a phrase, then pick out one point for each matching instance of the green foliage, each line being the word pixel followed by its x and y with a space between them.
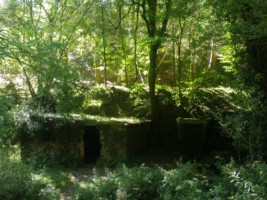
pixel 41 57
pixel 55 50
pixel 140 100
pixel 247 125
pixel 243 56
pixel 18 182
pixel 186 181
pixel 241 182
pixel 26 125
pixel 200 102
pixel 250 15
pixel 130 102
pixel 39 132
pixel 117 101
pixel 41 158
pixel 148 183
pixel 241 114
pixel 140 183
pixel 106 101
pixel 7 124
pixel 31 121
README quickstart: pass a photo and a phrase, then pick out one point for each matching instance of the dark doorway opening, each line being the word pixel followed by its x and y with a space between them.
pixel 92 144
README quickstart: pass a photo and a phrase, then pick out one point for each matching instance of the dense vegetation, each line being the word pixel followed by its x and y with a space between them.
pixel 149 59
pixel 184 182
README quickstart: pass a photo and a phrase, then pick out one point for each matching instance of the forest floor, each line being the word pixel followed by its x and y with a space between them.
pixel 76 177
pixel 71 179
pixel 68 180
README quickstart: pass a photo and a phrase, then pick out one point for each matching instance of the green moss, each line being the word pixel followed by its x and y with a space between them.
pixel 105 120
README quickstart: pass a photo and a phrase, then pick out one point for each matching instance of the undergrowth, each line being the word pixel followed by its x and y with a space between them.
pixel 18 181
pixel 185 181
pixel 182 181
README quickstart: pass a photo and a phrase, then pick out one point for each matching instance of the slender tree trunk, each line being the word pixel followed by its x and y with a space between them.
pixel 174 62
pixel 29 84
pixel 211 53
pixel 104 45
pixel 123 45
pixel 192 65
pixel 179 67
pixel 192 56
pixel 135 44
pixel 179 46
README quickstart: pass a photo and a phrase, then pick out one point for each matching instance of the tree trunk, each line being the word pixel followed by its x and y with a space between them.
pixel 156 30
pixel 29 84
pixel 174 58
pixel 152 81
pixel 179 45
pixel 104 44
pixel 135 44
pixel 123 45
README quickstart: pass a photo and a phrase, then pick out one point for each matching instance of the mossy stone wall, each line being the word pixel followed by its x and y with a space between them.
pixel 120 141
pixel 66 137
pixel 53 135
pixel 113 141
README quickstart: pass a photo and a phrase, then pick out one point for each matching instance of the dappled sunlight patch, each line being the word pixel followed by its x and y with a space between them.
pixel 13 154
pixel 101 119
pixel 91 118
pixel 209 101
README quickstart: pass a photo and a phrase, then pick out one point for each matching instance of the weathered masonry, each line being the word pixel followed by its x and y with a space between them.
pixel 86 138
pixel 90 138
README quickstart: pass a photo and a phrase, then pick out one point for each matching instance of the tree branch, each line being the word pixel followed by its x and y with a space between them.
pixel 165 18
pixel 143 15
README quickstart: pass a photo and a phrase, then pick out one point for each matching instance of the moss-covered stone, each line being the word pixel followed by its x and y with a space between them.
pixel 119 137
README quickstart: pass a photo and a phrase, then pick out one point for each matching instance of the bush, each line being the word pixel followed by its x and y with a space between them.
pixel 140 100
pixel 146 183
pixel 247 126
pixel 140 183
pixel 48 158
pixel 241 182
pixel 184 183
pixel 188 181
pixel 6 119
pixel 17 182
